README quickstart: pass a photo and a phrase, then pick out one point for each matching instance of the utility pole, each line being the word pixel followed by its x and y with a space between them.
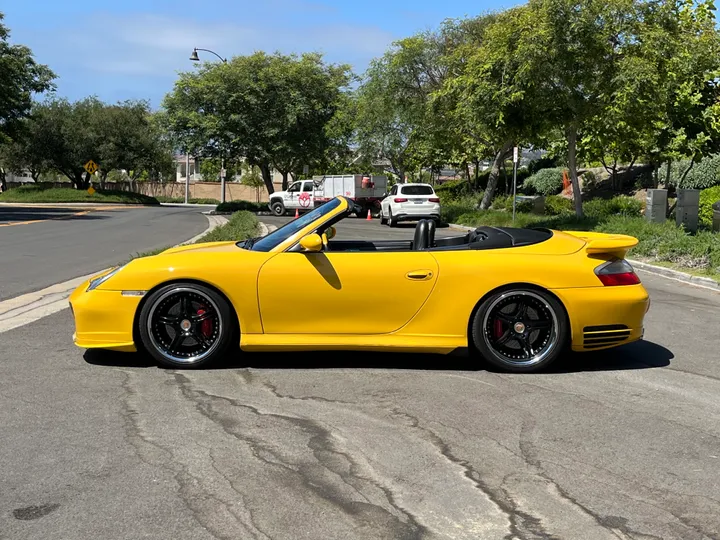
pixel 187 176
pixel 515 163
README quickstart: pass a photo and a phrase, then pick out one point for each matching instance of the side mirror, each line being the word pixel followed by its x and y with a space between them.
pixel 312 243
pixel 330 232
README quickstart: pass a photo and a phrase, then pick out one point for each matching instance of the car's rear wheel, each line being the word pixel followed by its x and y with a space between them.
pixel 185 325
pixel 278 208
pixel 393 221
pixel 383 218
pixel 520 330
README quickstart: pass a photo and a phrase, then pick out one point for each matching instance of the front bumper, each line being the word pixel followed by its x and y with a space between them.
pixel 605 317
pixel 103 319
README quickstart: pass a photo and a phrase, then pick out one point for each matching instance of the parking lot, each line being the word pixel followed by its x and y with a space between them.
pixel 617 444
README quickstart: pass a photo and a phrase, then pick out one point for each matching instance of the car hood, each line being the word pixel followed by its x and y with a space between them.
pixel 204 247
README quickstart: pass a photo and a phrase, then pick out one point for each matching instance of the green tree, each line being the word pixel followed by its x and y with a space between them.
pixel 64 135
pixel 272 110
pixel 210 169
pixel 393 111
pixel 20 78
pixel 485 97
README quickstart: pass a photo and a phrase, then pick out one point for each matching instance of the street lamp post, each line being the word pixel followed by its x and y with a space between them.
pixel 195 58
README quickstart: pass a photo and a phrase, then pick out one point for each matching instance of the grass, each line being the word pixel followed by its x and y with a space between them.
pixel 657 242
pixel 164 199
pixel 240 226
pixel 40 194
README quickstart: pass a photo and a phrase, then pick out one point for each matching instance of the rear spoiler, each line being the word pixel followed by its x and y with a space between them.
pixel 603 243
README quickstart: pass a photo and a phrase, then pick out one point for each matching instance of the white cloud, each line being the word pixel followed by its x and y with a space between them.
pixel 157 45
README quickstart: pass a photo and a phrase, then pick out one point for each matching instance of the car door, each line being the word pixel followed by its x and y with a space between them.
pixel 386 201
pixel 306 198
pixel 291 195
pixel 343 292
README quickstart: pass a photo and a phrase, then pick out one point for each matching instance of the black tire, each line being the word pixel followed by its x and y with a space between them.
pixel 520 341
pixel 277 208
pixel 393 221
pixel 383 219
pixel 205 319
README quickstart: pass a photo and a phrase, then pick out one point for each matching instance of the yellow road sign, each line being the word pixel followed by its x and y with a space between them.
pixel 91 190
pixel 91 167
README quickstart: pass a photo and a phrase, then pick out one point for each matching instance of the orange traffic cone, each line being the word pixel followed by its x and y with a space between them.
pixel 369 218
pixel 297 214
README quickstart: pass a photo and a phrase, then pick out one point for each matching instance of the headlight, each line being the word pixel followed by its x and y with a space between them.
pixel 102 279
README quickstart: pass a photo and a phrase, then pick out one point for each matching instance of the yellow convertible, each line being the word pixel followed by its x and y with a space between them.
pixel 519 297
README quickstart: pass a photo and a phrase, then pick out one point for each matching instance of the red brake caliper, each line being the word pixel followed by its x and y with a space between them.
pixel 206 325
pixel 498 329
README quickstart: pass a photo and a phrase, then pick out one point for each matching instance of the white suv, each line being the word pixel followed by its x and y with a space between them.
pixel 410 202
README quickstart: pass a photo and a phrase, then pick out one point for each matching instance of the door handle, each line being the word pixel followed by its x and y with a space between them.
pixel 419 275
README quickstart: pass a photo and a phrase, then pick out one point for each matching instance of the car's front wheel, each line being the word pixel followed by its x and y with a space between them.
pixel 278 208
pixel 185 325
pixel 520 330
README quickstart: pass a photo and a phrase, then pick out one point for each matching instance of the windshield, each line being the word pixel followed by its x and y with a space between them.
pixel 266 243
pixel 417 190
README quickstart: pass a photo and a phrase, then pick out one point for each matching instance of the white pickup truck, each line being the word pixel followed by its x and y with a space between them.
pixel 364 190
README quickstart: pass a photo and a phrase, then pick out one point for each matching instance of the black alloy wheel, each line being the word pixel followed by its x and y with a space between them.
pixel 186 325
pixel 520 330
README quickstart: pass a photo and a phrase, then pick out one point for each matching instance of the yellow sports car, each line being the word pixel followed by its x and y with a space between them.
pixel 518 296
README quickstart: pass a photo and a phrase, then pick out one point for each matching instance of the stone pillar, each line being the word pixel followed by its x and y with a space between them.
pixel 688 208
pixel 716 217
pixel 656 205
pixel 539 205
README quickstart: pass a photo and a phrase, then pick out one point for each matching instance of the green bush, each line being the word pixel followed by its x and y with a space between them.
pixel 505 202
pixel 707 198
pixel 617 206
pixel 453 190
pixel 451 210
pixel 545 182
pixel 241 226
pixel 703 175
pixel 667 242
pixel 542 163
pixel 237 206
pixel 555 205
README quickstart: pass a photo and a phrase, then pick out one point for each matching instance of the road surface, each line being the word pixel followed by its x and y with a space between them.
pixel 620 444
pixel 43 246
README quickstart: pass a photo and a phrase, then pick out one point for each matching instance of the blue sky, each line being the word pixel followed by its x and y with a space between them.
pixel 133 49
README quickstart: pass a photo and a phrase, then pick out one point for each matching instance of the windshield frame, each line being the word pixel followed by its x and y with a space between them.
pixel 313 219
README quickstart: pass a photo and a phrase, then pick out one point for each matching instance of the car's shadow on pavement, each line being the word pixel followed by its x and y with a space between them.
pixel 638 355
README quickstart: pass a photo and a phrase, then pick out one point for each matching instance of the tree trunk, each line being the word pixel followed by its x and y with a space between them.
pixel 476 183
pixel 667 174
pixel 468 175
pixel 267 177
pixel 494 176
pixel 572 155
pixel 3 181
pixel 284 180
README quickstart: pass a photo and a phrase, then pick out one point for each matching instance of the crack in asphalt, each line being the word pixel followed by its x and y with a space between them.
pixel 521 523
pixel 609 523
pixel 189 487
pixel 323 448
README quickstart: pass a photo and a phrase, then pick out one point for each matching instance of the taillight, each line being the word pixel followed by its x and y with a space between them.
pixel 433 199
pixel 619 272
pixel 399 199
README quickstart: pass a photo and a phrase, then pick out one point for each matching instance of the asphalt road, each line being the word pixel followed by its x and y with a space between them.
pixel 43 246
pixel 621 444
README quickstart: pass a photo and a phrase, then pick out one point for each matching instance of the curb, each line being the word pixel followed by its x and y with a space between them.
pixel 669 273
pixel 213 223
